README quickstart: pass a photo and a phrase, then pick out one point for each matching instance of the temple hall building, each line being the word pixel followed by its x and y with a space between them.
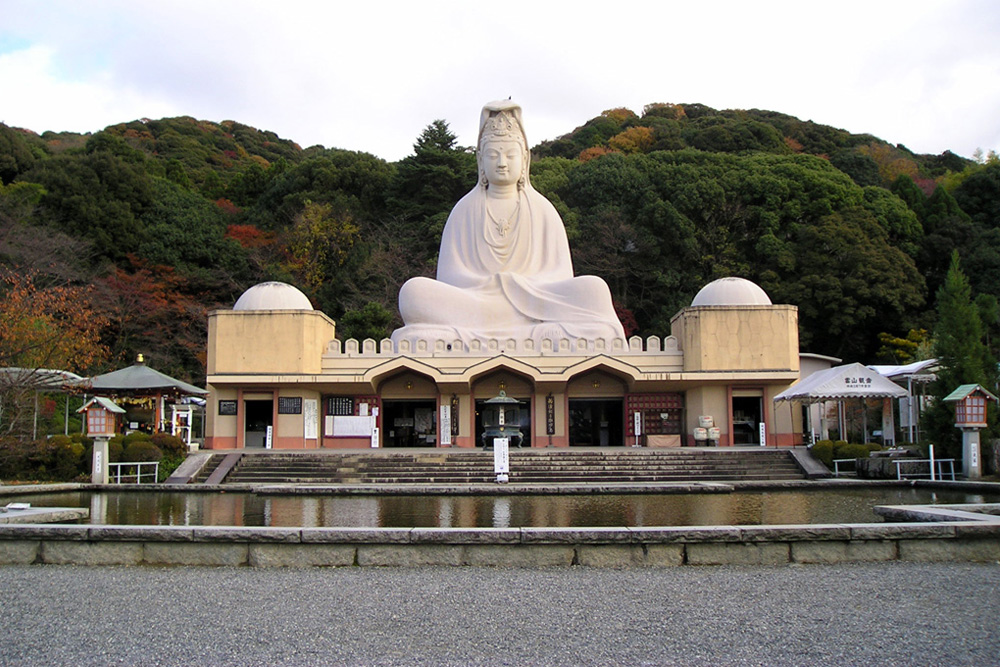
pixel 278 377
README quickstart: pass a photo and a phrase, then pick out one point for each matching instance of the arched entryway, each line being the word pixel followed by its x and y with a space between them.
pixel 515 386
pixel 596 410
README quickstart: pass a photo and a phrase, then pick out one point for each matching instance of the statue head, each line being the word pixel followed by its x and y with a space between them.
pixel 500 125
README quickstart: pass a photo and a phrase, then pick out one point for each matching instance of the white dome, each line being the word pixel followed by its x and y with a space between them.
pixel 731 292
pixel 273 296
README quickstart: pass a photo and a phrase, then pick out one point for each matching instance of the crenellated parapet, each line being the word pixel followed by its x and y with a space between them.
pixel 510 346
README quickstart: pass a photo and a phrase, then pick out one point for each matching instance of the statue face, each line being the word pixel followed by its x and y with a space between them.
pixel 503 162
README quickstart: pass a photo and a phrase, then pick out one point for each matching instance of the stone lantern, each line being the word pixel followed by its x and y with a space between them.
pixel 501 419
pixel 102 422
pixel 970 416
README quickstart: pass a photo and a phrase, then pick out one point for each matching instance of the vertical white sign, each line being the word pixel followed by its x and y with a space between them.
pixel 310 418
pixel 637 423
pixel 268 436
pixel 374 435
pixel 763 435
pixel 444 428
pixel 501 458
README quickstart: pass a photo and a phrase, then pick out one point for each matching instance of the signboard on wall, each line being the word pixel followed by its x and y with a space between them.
pixel 289 405
pixel 340 405
pixel 357 427
pixel 310 419
pixel 227 407
pixel 550 415
pixel 445 424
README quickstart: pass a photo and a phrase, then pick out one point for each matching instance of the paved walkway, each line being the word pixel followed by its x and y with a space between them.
pixel 884 614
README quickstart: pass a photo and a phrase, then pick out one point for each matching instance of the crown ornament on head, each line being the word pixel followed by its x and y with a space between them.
pixel 499 127
pixel 501 121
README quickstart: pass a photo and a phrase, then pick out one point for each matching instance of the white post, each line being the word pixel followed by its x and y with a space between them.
pixel 501 458
pixel 931 450
pixel 970 453
pixel 99 467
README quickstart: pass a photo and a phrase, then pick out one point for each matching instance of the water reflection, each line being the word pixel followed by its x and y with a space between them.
pixel 243 509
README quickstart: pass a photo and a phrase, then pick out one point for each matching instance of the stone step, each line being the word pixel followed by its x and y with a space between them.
pixel 464 467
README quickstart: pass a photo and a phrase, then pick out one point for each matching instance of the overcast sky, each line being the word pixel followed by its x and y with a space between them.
pixel 370 75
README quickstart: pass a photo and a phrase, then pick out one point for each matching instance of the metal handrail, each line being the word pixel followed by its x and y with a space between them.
pixel 115 472
pixel 836 466
pixel 940 471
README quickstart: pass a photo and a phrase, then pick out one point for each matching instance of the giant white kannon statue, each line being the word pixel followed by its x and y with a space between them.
pixel 504 268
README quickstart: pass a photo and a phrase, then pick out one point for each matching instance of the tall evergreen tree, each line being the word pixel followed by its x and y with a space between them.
pixel 961 350
pixel 429 182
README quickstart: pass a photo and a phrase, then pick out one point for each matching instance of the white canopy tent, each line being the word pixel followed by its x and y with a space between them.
pixel 919 373
pixel 38 380
pixel 840 383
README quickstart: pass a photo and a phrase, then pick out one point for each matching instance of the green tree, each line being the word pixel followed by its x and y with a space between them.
pixel 15 154
pixel 319 244
pixel 428 183
pixel 373 321
pixel 99 196
pixel 961 350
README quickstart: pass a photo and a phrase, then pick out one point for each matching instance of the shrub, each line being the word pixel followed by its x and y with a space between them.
pixel 847 451
pixel 68 460
pixel 115 450
pixel 14 459
pixel 135 436
pixel 823 450
pixel 57 459
pixel 168 464
pixel 169 444
pixel 139 451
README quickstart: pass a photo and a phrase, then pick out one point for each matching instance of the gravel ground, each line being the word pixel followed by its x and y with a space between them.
pixel 870 614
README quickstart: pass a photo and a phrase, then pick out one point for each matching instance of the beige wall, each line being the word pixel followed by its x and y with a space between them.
pixel 743 338
pixel 706 400
pixel 268 341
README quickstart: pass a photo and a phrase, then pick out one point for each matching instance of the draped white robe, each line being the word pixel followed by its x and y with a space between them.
pixel 517 283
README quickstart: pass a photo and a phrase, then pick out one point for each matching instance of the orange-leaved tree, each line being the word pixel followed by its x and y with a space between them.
pixel 42 328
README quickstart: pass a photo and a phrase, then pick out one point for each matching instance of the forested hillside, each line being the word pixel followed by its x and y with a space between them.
pixel 120 242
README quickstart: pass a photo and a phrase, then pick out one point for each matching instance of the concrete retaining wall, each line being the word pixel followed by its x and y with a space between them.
pixel 977 541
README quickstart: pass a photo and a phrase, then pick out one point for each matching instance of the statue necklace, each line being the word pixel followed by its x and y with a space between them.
pixel 503 223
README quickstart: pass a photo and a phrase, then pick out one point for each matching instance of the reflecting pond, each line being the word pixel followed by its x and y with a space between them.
pixel 846 505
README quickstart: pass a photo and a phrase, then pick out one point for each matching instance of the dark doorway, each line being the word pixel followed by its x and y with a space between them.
pixel 747 415
pixel 409 423
pixel 259 418
pixel 524 412
pixel 596 422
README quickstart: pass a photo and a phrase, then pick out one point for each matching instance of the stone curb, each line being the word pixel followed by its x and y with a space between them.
pixel 973 541
pixel 505 536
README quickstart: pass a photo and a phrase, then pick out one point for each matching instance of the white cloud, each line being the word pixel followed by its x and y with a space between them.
pixel 40 101
pixel 372 76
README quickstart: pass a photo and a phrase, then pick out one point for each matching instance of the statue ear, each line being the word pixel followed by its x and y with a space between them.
pixel 483 181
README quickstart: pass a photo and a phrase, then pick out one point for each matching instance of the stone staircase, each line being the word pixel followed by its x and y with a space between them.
pixel 527 466
pixel 207 469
